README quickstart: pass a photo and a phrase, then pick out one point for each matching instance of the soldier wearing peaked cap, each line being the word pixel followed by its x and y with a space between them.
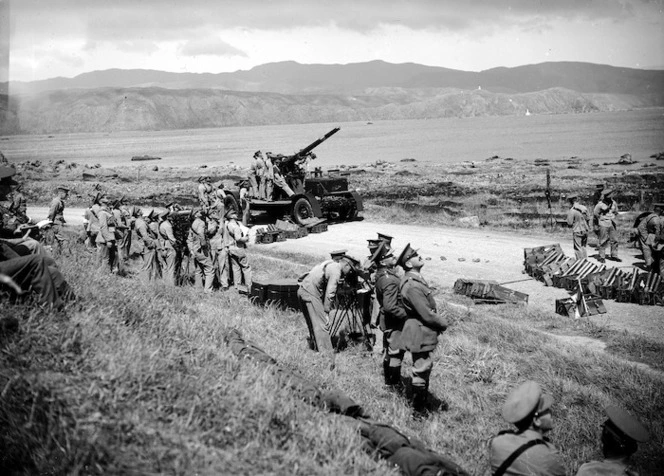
pixel 578 218
pixel 317 292
pixel 526 450
pixel 621 434
pixel 385 238
pixel 605 214
pixel 422 327
pixel 392 314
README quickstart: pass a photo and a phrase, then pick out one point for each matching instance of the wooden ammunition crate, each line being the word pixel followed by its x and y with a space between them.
pixel 565 307
pixel 320 228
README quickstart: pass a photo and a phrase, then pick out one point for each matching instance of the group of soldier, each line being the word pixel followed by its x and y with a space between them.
pixel 410 322
pixel 602 220
pixel 275 170
pixel 171 242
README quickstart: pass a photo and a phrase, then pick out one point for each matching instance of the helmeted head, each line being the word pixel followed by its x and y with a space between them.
pixel 658 207
pixel 607 194
pixel 62 191
pixel 573 197
pixel 526 405
pixel 231 214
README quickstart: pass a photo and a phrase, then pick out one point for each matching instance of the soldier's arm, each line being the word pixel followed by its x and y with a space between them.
pixel 53 209
pixel 391 303
pixel 420 302
pixel 168 231
pixel 570 218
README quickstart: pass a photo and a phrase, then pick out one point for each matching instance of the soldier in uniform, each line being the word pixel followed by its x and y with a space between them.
pixel 273 177
pixel 256 176
pixel 217 201
pixel 578 218
pixel 152 220
pixel 317 292
pixel 56 215
pixel 422 327
pixel 526 450
pixel 198 244
pixel 91 219
pixel 205 190
pixel 392 313
pixel 18 205
pixel 121 231
pixel 650 232
pixel 605 214
pixel 168 255
pixel 621 434
pixel 146 245
pixel 236 241
pixel 106 238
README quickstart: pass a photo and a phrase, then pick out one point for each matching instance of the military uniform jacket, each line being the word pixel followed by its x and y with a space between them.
pixel 56 211
pixel 606 214
pixel 578 219
pixel 539 460
pixel 197 241
pixel 204 192
pixel 146 239
pixel 608 467
pixel 392 313
pixel 257 167
pixel 322 281
pixel 166 236
pixel 106 227
pixel 423 324
pixel 234 235
pixel 649 229
pixel 18 205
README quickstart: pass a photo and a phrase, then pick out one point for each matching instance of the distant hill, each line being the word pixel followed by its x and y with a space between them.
pixel 289 92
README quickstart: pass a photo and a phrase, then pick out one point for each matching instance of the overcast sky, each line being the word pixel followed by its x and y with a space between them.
pixel 50 38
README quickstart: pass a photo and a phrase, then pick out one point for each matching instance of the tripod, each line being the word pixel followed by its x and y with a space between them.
pixel 353 306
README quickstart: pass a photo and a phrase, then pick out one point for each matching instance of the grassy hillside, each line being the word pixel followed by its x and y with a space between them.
pixel 136 379
pixel 115 109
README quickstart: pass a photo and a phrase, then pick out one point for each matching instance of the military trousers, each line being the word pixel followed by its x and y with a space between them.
pixel 580 241
pixel 648 253
pixel 222 267
pixel 240 266
pixel 317 322
pixel 107 255
pixel 150 266
pixel 204 271
pixel 421 370
pixel 392 352
pixel 608 235
pixel 167 260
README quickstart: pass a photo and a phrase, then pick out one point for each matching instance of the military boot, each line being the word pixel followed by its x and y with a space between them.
pixel 419 402
pixel 393 376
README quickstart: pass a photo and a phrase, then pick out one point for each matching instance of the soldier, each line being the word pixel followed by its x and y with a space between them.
pixel 198 244
pixel 578 219
pixel 650 232
pixel 121 232
pixel 146 244
pixel 256 176
pixel 18 205
pixel 422 327
pixel 91 220
pixel 106 238
pixel 621 434
pixel 392 313
pixel 152 220
pixel 205 190
pixel 56 215
pixel 168 256
pixel 217 201
pixel 236 240
pixel 526 450
pixel 273 177
pixel 605 214
pixel 317 292
pixel 219 251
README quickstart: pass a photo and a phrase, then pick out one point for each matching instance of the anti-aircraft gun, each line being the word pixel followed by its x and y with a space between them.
pixel 314 197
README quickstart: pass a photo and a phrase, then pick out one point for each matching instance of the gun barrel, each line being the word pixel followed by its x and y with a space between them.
pixel 317 142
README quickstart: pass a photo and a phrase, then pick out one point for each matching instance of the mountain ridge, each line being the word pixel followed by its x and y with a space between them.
pixel 289 92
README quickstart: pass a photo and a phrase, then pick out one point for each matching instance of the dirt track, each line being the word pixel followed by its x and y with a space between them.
pixel 468 253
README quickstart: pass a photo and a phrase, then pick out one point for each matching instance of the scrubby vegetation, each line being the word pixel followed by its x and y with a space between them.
pixel 136 378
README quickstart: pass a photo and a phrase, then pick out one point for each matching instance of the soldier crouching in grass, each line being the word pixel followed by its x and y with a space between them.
pixel 317 292
pixel 422 327
pixel 526 450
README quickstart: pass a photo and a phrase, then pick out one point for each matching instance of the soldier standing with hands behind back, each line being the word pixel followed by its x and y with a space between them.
pixel 578 219
pixel 422 327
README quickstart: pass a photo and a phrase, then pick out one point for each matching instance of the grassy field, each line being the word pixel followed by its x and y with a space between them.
pixel 135 378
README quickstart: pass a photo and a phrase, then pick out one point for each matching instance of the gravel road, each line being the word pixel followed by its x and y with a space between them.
pixel 454 253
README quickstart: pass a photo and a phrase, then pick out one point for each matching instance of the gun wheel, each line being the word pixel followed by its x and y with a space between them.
pixel 302 211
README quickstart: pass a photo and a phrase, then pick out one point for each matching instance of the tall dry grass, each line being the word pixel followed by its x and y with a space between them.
pixel 135 378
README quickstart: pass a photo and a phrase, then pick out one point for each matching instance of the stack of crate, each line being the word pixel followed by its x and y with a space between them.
pixel 291 230
pixel 270 234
